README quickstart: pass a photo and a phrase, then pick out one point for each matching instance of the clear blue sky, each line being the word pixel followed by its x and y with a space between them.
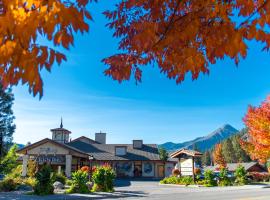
pixel 157 110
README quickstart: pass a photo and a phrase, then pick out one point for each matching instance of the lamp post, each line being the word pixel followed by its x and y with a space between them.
pixel 91 158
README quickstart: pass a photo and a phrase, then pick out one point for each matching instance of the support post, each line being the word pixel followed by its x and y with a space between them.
pixel 193 173
pixel 68 165
pixel 25 162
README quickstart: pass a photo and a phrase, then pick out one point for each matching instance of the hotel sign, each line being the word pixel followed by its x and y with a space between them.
pixel 51 159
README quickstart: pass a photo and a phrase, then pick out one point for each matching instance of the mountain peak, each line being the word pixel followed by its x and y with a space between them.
pixel 206 142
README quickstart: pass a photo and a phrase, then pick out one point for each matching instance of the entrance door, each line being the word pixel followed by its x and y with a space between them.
pixel 137 170
pixel 161 171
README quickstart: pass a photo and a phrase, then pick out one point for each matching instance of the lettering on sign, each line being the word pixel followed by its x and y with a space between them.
pixel 186 167
pixel 51 159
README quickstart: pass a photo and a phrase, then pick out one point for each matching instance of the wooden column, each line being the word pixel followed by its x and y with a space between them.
pixel 193 174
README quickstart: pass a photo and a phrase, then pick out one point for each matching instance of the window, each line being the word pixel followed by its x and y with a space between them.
pixel 120 151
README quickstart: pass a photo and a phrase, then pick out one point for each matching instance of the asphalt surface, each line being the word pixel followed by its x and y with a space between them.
pixel 152 190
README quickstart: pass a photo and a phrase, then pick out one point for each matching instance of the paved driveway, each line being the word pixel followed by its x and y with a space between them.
pixel 152 190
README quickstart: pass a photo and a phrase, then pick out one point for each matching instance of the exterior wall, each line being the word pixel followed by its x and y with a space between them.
pixel 48 149
pixel 148 169
pixel 168 169
pixel 124 169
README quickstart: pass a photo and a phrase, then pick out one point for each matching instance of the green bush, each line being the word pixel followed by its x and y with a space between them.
pixel 209 178
pixel 185 180
pixel 223 178
pixel 240 175
pixel 60 178
pixel 171 180
pixel 15 175
pixel 103 178
pixel 9 163
pixel 79 180
pixel 8 185
pixel 44 185
pixel 32 168
pixel 68 182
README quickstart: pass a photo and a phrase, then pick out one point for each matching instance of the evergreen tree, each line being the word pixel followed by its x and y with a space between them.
pixel 206 158
pixel 198 161
pixel 7 127
pixel 241 155
pixel 163 154
pixel 228 151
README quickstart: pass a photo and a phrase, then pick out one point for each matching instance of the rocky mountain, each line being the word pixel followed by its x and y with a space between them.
pixel 206 142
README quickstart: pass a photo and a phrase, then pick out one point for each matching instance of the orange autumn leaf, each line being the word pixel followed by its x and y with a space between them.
pixel 22 22
pixel 218 157
pixel 182 37
pixel 257 120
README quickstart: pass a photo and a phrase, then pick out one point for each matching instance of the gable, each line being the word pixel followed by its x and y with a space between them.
pixel 48 148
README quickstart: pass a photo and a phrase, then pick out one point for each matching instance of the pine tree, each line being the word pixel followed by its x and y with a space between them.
pixel 228 151
pixel 198 161
pixel 7 127
pixel 206 159
pixel 241 155
pixel 163 154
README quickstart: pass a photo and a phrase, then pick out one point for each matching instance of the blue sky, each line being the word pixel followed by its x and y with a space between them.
pixel 157 110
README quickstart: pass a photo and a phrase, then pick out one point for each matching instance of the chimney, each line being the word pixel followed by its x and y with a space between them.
pixel 100 138
pixel 137 144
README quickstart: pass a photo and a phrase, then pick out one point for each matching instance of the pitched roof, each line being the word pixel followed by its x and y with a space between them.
pixel 31 146
pixel 61 129
pixel 187 152
pixel 233 166
pixel 107 151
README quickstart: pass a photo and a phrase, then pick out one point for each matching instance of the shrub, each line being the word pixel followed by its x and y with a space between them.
pixel 8 185
pixel 68 182
pixel 209 178
pixel 44 185
pixel 187 180
pixel 170 180
pixel 15 175
pixel 223 178
pixel 32 168
pixel 176 172
pixel 9 163
pixel 60 178
pixel 85 169
pixel 240 175
pixel 103 178
pixel 79 180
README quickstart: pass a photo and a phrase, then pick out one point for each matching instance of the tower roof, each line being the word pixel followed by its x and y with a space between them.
pixel 61 128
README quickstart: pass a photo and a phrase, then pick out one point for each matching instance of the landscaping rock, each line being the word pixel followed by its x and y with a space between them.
pixel 58 185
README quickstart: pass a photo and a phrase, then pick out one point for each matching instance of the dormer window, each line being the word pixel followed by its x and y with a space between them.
pixel 120 150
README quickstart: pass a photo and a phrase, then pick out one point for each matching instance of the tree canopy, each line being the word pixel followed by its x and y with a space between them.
pixel 179 36
pixel 184 36
pixel 219 157
pixel 257 120
pixel 22 22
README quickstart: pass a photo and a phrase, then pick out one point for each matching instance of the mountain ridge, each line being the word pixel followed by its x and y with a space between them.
pixel 206 142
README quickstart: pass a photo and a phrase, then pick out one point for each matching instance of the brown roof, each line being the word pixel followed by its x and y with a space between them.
pixel 186 152
pixel 232 166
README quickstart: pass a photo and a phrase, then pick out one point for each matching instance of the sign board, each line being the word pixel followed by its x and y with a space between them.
pixel 60 160
pixel 186 167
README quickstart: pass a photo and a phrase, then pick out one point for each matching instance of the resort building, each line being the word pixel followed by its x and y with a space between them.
pixel 129 160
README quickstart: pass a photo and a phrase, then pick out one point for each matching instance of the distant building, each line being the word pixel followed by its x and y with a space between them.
pixel 249 167
pixel 128 160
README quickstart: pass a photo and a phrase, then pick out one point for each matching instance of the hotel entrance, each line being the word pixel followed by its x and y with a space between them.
pixel 138 169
